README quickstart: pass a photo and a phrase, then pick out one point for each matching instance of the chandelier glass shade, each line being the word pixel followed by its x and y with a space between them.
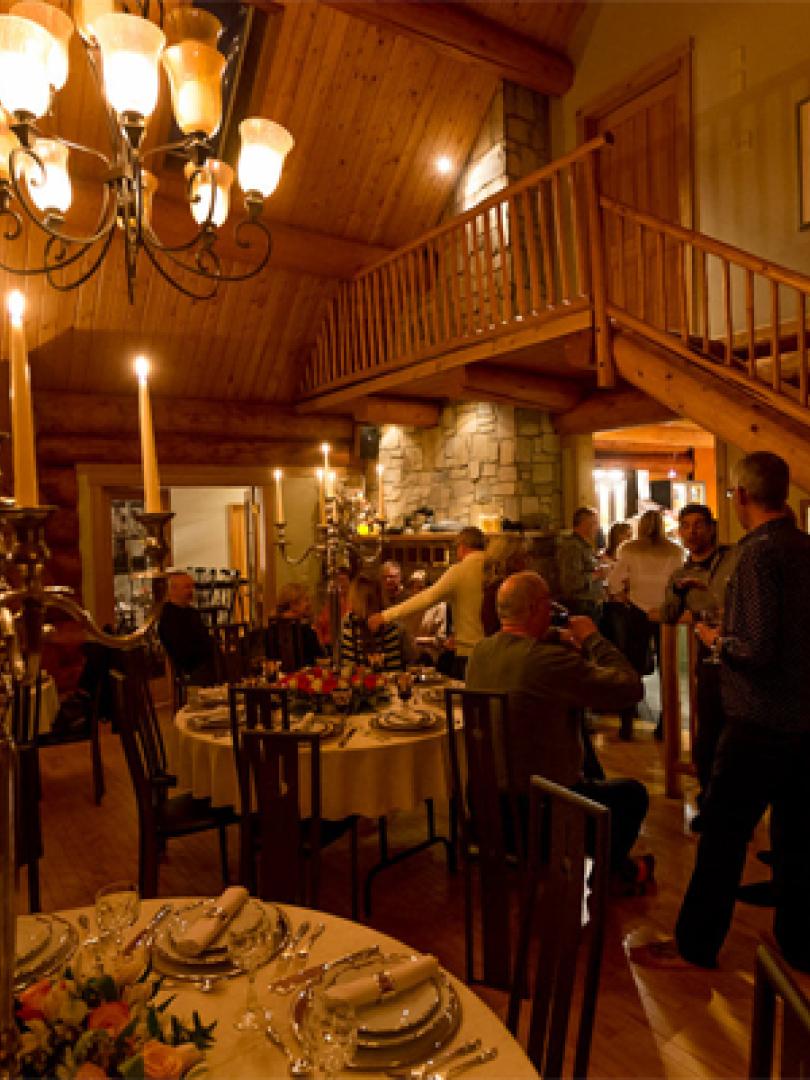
pixel 125 53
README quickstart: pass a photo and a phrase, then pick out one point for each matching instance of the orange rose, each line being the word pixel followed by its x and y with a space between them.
pixel 162 1062
pixel 33 999
pixel 111 1016
pixel 89 1071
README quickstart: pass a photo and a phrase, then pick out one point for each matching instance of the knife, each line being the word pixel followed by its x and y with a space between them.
pixel 314 974
pixel 148 931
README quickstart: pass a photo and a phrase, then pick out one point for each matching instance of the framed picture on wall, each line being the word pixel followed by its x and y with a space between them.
pixel 803 148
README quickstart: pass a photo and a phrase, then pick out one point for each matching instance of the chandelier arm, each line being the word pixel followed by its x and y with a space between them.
pixel 248 223
pixel 76 282
pixel 6 210
pixel 176 284
pixel 290 560
pixel 151 239
pixel 85 619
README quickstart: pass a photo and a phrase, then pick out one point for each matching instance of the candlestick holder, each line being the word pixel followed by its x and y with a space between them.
pixel 22 615
pixel 336 544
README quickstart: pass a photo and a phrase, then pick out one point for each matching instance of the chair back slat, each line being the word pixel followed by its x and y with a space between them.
pixel 288 864
pixel 774 982
pixel 564 828
pixel 140 710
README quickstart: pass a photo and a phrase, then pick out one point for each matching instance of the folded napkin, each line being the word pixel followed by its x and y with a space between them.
pixel 193 939
pixel 373 988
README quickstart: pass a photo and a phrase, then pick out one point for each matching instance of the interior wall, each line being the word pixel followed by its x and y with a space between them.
pixel 200 525
pixel 730 529
pixel 751 66
pixel 301 512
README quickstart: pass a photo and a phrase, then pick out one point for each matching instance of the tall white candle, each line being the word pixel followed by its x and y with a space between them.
pixel 278 476
pixel 320 477
pixel 380 492
pixel 325 448
pixel 22 418
pixel 151 480
pixel 331 481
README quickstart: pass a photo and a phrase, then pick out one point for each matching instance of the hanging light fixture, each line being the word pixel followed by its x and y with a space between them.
pixel 125 52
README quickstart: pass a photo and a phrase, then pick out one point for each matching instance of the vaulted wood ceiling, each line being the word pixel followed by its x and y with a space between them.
pixel 370 110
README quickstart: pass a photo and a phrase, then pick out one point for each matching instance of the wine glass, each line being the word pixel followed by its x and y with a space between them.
pixel 329 1035
pixel 404 686
pixel 342 699
pixel 711 617
pixel 246 949
pixel 118 906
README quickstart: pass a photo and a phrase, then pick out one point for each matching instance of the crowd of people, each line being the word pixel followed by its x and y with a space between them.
pixel 488 619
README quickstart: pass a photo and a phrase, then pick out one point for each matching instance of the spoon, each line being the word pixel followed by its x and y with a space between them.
pixel 463 1066
pixel 298 1066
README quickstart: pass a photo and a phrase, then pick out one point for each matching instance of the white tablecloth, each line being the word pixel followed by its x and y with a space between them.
pixel 375 774
pixel 251 1057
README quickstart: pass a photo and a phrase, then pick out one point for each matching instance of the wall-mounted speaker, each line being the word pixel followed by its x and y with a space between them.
pixel 369 442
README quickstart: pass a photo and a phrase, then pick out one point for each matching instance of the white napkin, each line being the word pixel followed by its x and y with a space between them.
pixel 373 988
pixel 192 940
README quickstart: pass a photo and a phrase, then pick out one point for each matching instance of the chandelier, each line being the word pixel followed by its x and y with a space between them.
pixel 124 52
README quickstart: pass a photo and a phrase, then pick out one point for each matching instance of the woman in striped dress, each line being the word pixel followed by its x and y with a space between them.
pixel 357 642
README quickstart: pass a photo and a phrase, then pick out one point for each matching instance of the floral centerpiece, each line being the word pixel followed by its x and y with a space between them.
pixel 104 1026
pixel 313 687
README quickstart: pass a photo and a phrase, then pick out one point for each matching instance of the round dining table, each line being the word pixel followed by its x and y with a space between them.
pixel 375 773
pixel 251 1056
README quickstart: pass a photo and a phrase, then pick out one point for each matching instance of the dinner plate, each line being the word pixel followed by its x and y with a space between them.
pixel 61 946
pixel 406 719
pixel 398 1013
pixel 213 695
pixel 33 934
pixel 313 725
pixel 407 1048
pixel 214 960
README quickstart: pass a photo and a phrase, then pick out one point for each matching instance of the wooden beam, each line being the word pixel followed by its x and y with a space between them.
pixel 457 31
pixel 409 412
pixel 657 436
pixel 606 409
pixel 657 463
pixel 59 413
pixel 514 386
pixel 716 403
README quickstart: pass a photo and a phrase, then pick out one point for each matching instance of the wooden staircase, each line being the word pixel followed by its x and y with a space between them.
pixel 709 331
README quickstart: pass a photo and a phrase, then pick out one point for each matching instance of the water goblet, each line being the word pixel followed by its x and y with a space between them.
pixel 342 699
pixel 404 681
pixel 711 617
pixel 329 1035
pixel 118 906
pixel 246 949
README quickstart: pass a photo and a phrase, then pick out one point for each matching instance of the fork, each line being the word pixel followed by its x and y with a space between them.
pixel 306 947
pixel 419 1072
pixel 463 1066
pixel 295 940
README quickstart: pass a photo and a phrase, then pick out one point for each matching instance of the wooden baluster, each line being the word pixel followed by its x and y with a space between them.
pixel 641 274
pixel 334 330
pixel 467 254
pixel 546 241
pixel 402 269
pixel 683 302
pixel 605 367
pixel 801 345
pixel 727 314
pixel 445 269
pixel 387 312
pixel 562 239
pixel 455 275
pixel 660 275
pixel 506 261
pixel 751 332
pixel 579 227
pixel 479 275
pixel 364 322
pixel 490 268
pixel 420 256
pixel 516 245
pixel 704 299
pixel 415 302
pixel 343 327
pixel 433 285
pixel 776 348
pixel 531 248
pixel 375 283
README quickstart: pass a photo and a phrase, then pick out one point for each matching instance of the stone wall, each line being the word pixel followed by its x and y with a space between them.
pixel 482 458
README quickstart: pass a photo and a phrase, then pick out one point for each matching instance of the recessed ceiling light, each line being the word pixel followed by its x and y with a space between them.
pixel 443 164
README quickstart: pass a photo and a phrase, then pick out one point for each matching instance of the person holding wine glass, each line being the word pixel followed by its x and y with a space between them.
pixel 763 755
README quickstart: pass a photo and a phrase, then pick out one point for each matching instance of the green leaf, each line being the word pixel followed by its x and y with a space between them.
pixel 165 1004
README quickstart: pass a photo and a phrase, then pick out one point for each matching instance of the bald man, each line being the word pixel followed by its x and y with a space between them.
pixel 184 635
pixel 550 678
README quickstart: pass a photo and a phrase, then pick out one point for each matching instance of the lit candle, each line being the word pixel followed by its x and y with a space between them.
pixel 331 478
pixel 319 475
pixel 325 448
pixel 151 481
pixel 278 476
pixel 380 493
pixel 22 417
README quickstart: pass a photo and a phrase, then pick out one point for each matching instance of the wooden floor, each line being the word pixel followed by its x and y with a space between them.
pixel 649 1024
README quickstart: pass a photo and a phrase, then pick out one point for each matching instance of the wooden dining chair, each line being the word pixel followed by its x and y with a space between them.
pixel 773 983
pixel 485 798
pixel 289 849
pixel 233 651
pixel 28 846
pixel 251 708
pixel 568 841
pixel 161 816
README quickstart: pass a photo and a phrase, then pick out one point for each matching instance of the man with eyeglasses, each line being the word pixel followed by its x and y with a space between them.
pixel 698 586
pixel 763 756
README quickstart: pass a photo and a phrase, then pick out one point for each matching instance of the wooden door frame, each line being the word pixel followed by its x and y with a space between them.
pixel 677 62
pixel 97 486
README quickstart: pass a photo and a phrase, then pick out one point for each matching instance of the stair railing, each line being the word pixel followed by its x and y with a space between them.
pixel 710 302
pixel 523 255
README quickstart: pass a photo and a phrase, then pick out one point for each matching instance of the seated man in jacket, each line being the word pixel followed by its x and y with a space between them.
pixel 184 636
pixel 549 680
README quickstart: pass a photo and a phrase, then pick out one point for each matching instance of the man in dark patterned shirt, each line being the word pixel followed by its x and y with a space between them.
pixel 763 757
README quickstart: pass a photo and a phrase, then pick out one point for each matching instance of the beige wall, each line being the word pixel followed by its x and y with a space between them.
pixel 730 529
pixel 751 65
